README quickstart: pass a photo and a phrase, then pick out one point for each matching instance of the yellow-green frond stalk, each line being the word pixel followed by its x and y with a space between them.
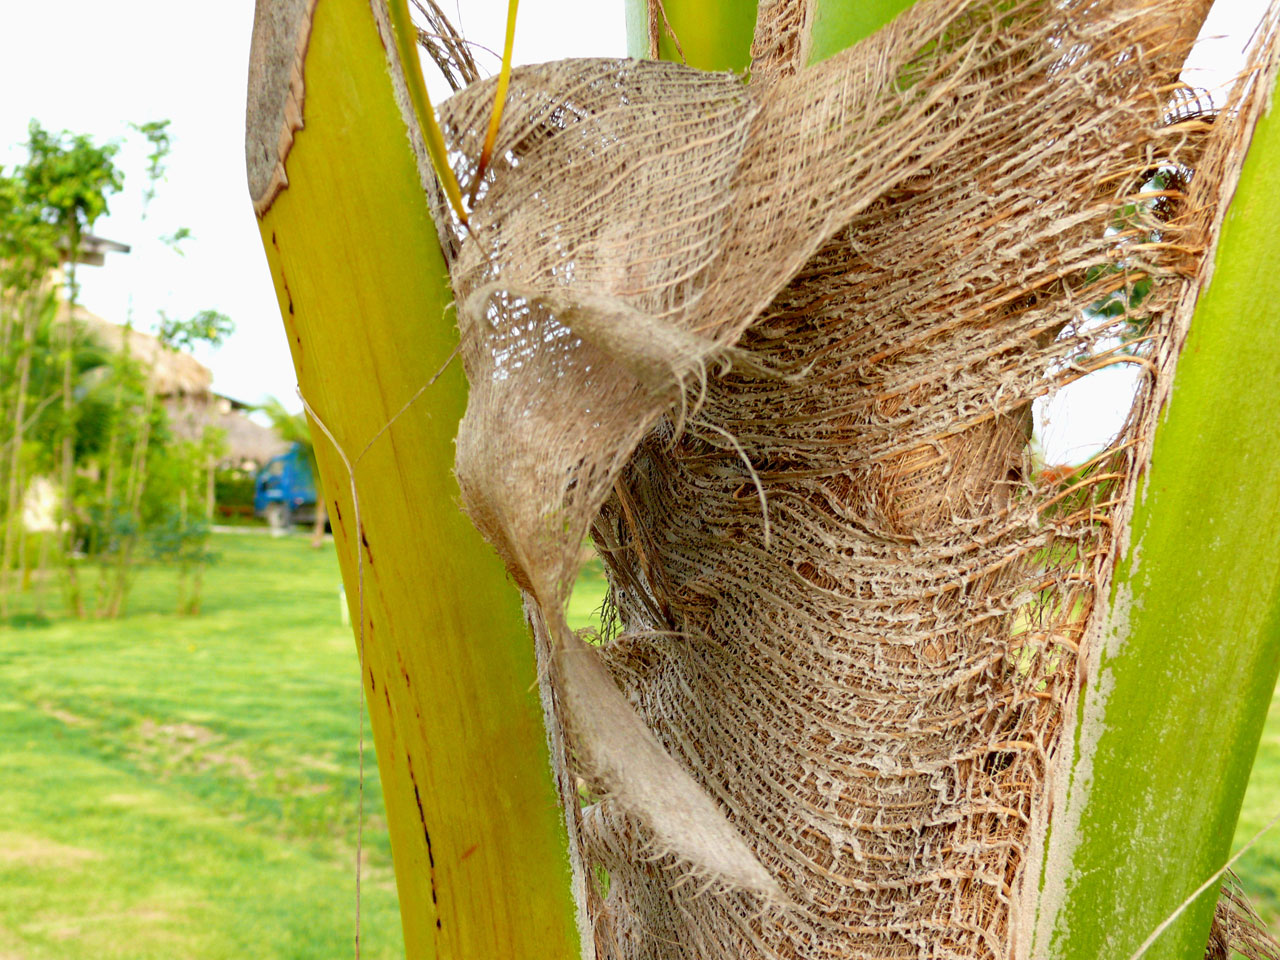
pixel 500 98
pixel 407 46
pixel 478 839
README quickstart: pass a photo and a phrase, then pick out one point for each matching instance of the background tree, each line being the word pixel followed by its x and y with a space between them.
pixel 75 410
pixel 28 253
pixel 142 509
pixel 34 359
pixel 72 178
pixel 131 412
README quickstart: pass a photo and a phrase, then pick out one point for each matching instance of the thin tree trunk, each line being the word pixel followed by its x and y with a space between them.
pixel 317 526
pixel 210 504
pixel 13 501
pixel 183 566
pixel 112 467
pixel 41 573
pixel 75 604
pixel 135 488
pixel 7 325
pixel 192 606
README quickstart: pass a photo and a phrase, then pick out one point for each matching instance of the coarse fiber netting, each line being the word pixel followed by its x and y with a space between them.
pixel 773 346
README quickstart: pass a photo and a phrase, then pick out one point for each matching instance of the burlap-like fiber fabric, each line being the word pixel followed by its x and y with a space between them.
pixel 774 346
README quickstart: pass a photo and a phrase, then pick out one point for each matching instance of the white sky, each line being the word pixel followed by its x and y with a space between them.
pixel 94 67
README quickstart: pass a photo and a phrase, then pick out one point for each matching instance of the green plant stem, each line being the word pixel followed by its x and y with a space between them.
pixel 838 24
pixel 75 602
pixel 712 34
pixel 480 844
pixel 1170 721
pixel 407 49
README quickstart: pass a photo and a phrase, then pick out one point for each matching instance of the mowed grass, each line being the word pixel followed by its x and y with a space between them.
pixel 1259 868
pixel 187 787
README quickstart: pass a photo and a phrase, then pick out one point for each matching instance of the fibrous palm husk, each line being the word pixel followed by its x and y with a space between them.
pixel 774 346
pixel 1237 929
pixel 445 45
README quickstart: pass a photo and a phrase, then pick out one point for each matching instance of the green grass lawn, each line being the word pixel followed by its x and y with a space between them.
pixel 1259 868
pixel 187 788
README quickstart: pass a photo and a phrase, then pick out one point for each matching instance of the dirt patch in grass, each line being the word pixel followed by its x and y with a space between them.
pixel 62 716
pixel 32 850
pixel 191 745
pixel 143 925
pixel 181 738
pixel 322 764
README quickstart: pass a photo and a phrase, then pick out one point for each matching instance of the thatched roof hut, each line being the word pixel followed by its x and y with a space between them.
pixel 183 384
pixel 185 387
pixel 93 249
pixel 173 373
pixel 248 444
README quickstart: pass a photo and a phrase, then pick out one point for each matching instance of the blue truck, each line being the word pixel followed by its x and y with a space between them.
pixel 284 492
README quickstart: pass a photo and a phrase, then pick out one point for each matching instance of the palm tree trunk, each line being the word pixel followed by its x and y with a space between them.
pixel 947 700
pixel 1141 774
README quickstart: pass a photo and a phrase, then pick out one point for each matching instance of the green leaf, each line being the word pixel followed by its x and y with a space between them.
pixel 1170 722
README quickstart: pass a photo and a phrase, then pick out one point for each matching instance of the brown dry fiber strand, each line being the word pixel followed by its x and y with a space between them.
pixel 840 289
pixel 1237 929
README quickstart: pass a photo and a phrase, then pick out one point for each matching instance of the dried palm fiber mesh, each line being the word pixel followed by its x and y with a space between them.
pixel 774 346
pixel 783 36
pixel 1237 929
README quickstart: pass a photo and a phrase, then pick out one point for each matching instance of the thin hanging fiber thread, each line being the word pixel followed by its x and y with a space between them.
pixel 350 466
pixel 1195 894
